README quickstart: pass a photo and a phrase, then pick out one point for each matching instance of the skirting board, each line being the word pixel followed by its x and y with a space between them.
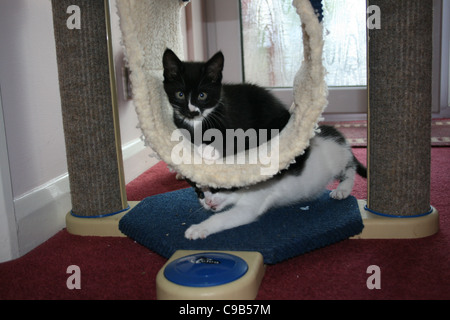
pixel 375 227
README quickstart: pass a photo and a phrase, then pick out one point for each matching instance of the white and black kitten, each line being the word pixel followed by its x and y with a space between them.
pixel 198 97
pixel 328 158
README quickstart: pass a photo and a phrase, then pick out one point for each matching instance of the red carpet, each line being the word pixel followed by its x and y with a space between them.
pixel 118 268
pixel 356 132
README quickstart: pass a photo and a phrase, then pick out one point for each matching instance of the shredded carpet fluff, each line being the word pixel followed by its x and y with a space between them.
pixel 150 26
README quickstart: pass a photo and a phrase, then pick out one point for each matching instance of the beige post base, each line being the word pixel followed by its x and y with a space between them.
pixel 244 288
pixel 378 227
pixel 375 227
pixel 102 227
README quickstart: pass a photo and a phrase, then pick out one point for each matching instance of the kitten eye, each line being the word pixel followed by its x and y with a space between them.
pixel 179 95
pixel 202 96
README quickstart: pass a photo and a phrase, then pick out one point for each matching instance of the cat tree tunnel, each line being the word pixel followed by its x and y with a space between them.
pixel 399 110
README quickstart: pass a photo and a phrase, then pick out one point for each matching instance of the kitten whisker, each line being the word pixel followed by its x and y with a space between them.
pixel 217 117
pixel 190 214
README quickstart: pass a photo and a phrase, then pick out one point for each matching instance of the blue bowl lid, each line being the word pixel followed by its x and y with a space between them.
pixel 206 269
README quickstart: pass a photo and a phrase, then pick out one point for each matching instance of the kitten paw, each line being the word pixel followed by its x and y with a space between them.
pixel 208 152
pixel 195 232
pixel 339 194
pixel 179 176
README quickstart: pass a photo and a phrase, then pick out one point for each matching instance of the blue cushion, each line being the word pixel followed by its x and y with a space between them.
pixel 159 222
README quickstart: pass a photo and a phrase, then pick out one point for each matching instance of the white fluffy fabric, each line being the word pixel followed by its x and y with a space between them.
pixel 148 27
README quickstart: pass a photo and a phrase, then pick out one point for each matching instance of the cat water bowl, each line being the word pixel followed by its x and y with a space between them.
pixel 209 275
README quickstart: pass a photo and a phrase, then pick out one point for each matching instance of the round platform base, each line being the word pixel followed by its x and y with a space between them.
pixel 244 288
pixel 379 227
pixel 102 227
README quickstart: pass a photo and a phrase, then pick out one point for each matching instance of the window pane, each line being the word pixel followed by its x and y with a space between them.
pixel 273 49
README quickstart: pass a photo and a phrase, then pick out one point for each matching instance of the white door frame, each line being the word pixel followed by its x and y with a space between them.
pixel 9 246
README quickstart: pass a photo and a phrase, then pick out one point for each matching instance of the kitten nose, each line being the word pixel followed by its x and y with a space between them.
pixel 192 108
pixel 195 111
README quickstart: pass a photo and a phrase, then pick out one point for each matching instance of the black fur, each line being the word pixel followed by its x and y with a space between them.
pixel 360 168
pixel 235 106
pixel 329 132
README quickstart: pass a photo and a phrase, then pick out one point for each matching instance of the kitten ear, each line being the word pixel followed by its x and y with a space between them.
pixel 214 67
pixel 172 65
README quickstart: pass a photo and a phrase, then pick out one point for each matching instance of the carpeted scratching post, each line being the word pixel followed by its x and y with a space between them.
pixel 400 58
pixel 399 147
pixel 90 118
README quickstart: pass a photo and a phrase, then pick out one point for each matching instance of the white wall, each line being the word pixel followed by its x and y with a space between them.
pixel 30 90
pixel 8 236
pixel 32 115
pixel 39 189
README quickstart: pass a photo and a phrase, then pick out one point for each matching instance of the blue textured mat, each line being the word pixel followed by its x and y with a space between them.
pixel 159 223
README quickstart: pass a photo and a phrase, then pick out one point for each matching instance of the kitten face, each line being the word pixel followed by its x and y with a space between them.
pixel 217 199
pixel 213 201
pixel 210 199
pixel 193 88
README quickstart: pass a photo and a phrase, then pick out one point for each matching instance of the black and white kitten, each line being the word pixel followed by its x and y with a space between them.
pixel 328 157
pixel 199 98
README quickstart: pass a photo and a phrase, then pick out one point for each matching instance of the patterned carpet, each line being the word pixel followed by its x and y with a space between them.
pixel 356 132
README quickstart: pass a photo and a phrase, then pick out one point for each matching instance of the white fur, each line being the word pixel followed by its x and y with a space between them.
pixel 193 108
pixel 196 122
pixel 208 152
pixel 327 160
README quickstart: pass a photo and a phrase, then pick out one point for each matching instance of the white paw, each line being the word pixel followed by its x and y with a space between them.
pixel 339 194
pixel 208 152
pixel 196 231
pixel 179 176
